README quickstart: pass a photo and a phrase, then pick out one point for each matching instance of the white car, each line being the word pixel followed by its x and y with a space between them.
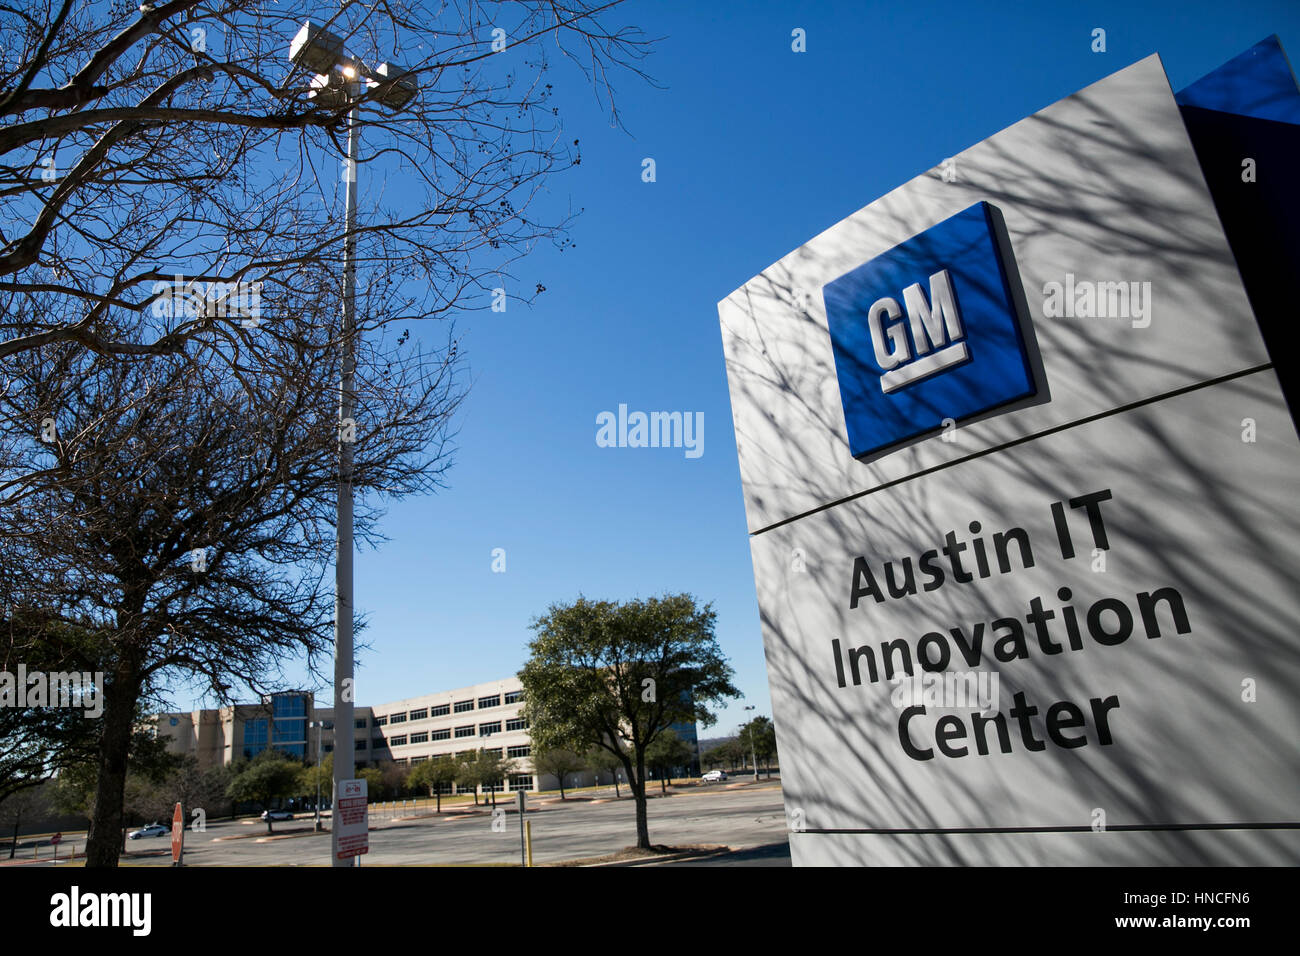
pixel 713 776
pixel 152 830
pixel 277 814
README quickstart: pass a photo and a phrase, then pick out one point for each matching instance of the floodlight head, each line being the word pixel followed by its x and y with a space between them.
pixel 330 90
pixel 316 49
pixel 396 86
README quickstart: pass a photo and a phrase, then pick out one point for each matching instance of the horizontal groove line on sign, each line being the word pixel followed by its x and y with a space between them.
pixel 1083 828
pixel 1019 441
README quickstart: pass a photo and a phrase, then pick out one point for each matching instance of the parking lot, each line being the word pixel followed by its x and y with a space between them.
pixel 743 822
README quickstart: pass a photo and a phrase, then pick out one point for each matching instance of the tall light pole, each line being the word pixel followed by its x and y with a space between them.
pixel 342 80
pixel 753 754
pixel 319 725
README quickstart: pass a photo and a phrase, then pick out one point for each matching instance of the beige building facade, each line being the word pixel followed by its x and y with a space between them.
pixel 406 732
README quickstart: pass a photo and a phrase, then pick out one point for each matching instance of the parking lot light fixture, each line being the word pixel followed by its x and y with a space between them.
pixel 343 81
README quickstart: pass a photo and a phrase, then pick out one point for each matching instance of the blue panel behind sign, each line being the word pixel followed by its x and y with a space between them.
pixel 1244 122
pixel 925 332
pixel 1258 83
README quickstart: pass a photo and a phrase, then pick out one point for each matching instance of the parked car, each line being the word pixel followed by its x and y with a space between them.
pixel 277 814
pixel 152 830
pixel 713 776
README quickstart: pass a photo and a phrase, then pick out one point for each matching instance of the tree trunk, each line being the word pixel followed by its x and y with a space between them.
pixel 438 797
pixel 638 793
pixel 13 847
pixel 103 848
pixel 663 784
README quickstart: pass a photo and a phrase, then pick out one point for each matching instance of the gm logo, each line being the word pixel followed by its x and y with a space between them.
pixel 932 324
pixel 925 332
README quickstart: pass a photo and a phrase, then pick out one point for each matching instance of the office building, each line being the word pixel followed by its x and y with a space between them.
pixel 404 732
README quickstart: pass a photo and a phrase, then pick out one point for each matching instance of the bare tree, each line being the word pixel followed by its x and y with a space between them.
pixel 158 162
pixel 138 144
pixel 190 535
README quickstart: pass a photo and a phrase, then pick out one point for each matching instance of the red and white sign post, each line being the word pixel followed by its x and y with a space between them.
pixel 178 836
pixel 351 822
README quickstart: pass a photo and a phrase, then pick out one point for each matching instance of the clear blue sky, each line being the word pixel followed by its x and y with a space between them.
pixel 757 149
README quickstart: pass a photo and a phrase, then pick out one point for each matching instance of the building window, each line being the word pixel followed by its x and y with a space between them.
pixel 441 710
pixel 487 730
pixel 522 751
pixel 397 718
pixel 485 702
pixel 420 738
pixel 421 714
pixel 492 751
pixel 398 741
pixel 514 696
pixel 415 760
pixel 466 731
pixel 460 789
pixel 359 744
pixel 465 753
pixel 464 705
pixel 327 725
pixel 440 735
pixel 521 781
pixel 517 723
pixel 381 721
pixel 328 748
pixel 255 735
pixel 360 723
pixel 400 761
pixel 288 705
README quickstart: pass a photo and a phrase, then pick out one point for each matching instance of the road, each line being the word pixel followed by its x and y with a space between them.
pixel 749 819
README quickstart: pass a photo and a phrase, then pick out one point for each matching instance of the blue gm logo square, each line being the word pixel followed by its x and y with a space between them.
pixel 925 332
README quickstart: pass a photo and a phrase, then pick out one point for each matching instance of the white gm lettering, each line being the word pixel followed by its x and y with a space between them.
pixel 935 331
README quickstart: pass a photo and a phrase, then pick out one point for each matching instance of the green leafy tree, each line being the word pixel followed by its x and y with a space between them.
pixel 153 796
pixel 760 735
pixel 558 762
pixel 617 676
pixel 467 774
pixel 394 780
pixel 492 771
pixel 312 775
pixel 435 773
pixel 751 740
pixel 602 760
pixel 726 754
pixel 268 776
pixel 24 804
pixel 38 742
pixel 148 766
pixel 668 751
pixel 374 778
